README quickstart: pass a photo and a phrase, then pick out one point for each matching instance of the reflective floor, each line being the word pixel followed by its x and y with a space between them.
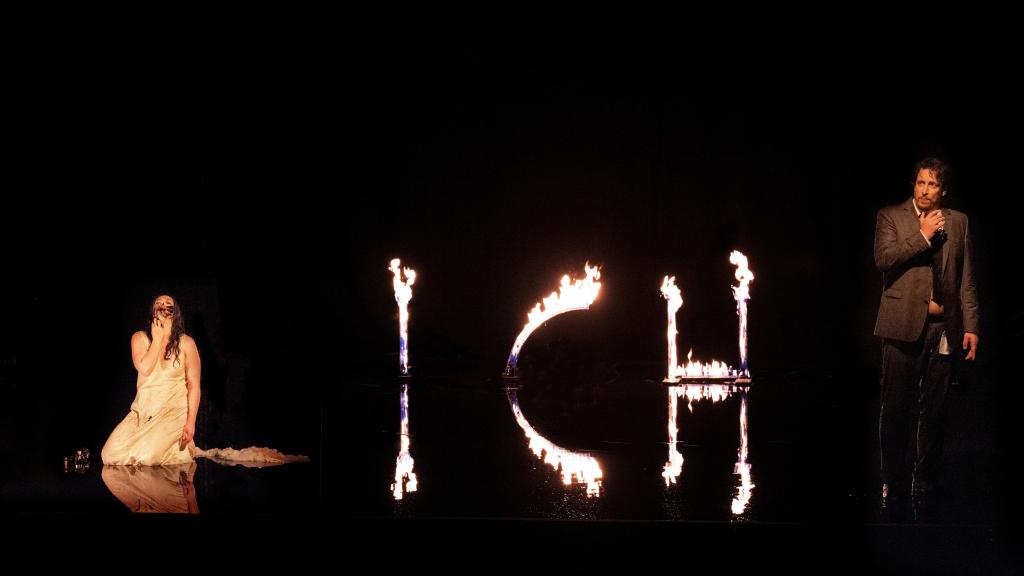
pixel 790 453
pixel 633 449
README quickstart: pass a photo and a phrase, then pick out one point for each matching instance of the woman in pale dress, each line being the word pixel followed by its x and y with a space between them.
pixel 162 422
pixel 159 428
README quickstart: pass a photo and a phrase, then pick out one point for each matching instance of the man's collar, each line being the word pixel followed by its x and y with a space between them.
pixel 913 203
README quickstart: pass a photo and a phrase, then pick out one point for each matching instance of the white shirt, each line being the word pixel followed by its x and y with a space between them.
pixel 943 343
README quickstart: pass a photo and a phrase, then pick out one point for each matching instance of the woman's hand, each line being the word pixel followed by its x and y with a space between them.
pixel 161 329
pixel 186 434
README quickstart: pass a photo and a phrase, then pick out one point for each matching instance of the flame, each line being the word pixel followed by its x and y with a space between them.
pixel 671 292
pixel 743 429
pixel 746 487
pixel 576 467
pixel 743 491
pixel 714 369
pixel 403 294
pixel 572 295
pixel 403 289
pixel 743 274
pixel 742 293
pixel 405 478
pixel 698 392
pixel 692 392
pixel 714 392
pixel 674 466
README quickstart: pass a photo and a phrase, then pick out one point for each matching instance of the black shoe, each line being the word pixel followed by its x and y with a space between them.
pixel 922 490
pixel 923 502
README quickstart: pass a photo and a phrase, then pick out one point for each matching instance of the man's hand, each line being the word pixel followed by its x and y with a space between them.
pixel 932 222
pixel 971 343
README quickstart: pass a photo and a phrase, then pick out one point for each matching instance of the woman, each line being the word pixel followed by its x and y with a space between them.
pixel 158 430
pixel 162 422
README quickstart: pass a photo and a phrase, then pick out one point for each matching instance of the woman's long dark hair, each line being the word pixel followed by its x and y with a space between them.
pixel 177 327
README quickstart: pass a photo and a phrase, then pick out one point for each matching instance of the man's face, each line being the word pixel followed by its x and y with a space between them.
pixel 927 191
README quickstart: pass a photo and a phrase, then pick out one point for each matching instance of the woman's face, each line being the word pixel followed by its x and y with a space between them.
pixel 163 307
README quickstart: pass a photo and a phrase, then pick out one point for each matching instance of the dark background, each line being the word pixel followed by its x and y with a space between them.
pixel 266 174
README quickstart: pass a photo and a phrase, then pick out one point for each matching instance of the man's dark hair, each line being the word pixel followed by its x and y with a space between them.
pixel 941 169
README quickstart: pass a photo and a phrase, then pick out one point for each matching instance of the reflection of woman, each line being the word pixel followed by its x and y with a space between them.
pixel 154 488
pixel 159 428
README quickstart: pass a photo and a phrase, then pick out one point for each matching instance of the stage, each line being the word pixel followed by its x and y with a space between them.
pixel 265 177
pixel 812 488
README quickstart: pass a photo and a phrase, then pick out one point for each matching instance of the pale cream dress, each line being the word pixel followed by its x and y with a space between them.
pixel 151 432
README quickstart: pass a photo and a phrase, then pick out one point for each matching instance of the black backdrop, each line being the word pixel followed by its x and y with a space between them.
pixel 267 174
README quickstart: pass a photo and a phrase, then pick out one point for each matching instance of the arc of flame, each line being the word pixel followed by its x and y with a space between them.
pixel 403 294
pixel 572 295
pixel 575 467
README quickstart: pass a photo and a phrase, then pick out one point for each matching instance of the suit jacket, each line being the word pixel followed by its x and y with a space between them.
pixel 905 260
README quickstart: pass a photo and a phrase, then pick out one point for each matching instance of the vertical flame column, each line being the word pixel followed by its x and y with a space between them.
pixel 403 293
pixel 741 294
pixel 671 292
pixel 405 478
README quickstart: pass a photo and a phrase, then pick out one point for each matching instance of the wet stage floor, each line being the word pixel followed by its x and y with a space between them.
pixel 809 468
pixel 809 459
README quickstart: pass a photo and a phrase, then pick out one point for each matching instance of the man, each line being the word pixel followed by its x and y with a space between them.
pixel 928 310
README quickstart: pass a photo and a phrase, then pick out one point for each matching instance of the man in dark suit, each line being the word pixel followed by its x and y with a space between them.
pixel 928 319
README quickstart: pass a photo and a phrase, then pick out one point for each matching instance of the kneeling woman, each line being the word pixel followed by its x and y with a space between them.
pixel 159 428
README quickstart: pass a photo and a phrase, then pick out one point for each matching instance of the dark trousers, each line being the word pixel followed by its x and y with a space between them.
pixel 915 379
